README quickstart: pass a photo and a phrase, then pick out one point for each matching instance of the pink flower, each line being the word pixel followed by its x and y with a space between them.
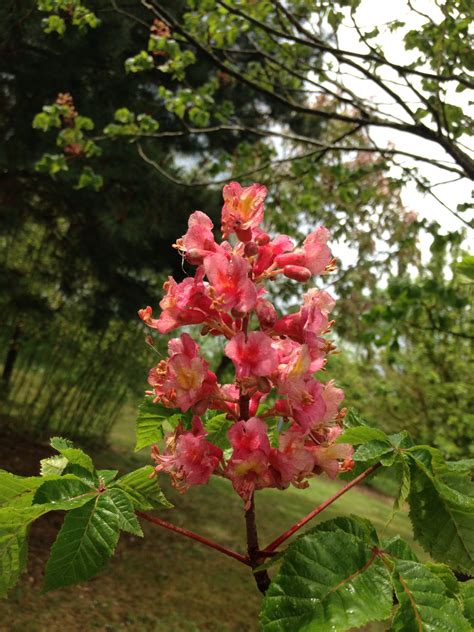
pixel 183 380
pixel 328 458
pixel 309 409
pixel 242 210
pixel 332 396
pixel 314 254
pixel 249 467
pixel 184 303
pixel 188 457
pixel 199 241
pixel 307 325
pixel 231 286
pixel 252 356
pixel 293 461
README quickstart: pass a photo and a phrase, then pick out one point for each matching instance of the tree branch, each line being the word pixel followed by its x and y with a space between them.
pixel 194 536
pixel 297 526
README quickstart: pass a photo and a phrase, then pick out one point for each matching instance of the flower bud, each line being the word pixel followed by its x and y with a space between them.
pixel 244 235
pixel 262 238
pixel 250 249
pixel 266 313
pixel 290 259
pixel 282 407
pixel 298 273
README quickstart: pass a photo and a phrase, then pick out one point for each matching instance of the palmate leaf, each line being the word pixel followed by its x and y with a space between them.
pixel 74 455
pixel 143 489
pixel 217 427
pixel 442 515
pixel 424 605
pixel 329 580
pixel 85 542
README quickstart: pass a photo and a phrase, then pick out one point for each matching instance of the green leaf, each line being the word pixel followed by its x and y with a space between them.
pixel 74 455
pixel 442 515
pixel 467 594
pixel 424 604
pixel 353 525
pixel 144 491
pixel 85 542
pixel 18 490
pixel 328 581
pixel 107 476
pixel 372 451
pixel 363 434
pixel 405 484
pixel 68 492
pixel 124 508
pixel 466 266
pixel 150 420
pixel 11 543
pixel 53 465
pixel 398 548
pixel 216 428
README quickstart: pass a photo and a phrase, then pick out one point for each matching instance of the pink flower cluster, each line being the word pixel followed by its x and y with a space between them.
pixel 284 422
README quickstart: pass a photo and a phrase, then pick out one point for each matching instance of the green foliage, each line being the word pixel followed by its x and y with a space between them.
pixel 317 588
pixel 98 506
pixel 149 424
pixel 432 487
pixel 71 11
pixel 423 600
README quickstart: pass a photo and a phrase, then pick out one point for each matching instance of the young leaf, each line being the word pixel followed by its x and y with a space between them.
pixel 398 548
pixel 53 465
pixel 329 581
pixel 85 542
pixel 423 603
pixel 143 490
pixel 73 455
pixel 124 508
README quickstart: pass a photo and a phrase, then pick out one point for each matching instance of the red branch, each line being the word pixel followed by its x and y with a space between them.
pixel 284 536
pixel 194 536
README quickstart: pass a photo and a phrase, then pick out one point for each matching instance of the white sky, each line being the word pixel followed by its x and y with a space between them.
pixel 373 13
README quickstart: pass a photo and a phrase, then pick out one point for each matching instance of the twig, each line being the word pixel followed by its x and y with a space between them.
pixel 194 536
pixel 296 527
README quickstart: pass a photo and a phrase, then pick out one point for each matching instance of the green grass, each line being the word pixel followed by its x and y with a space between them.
pixel 164 582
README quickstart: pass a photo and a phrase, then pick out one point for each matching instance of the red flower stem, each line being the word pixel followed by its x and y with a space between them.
pixel 296 527
pixel 195 536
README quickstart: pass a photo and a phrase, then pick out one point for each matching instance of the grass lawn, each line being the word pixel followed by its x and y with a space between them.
pixel 164 582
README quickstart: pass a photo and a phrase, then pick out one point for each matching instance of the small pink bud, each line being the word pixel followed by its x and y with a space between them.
pixel 244 235
pixel 290 259
pixel 262 239
pixel 282 406
pixel 298 273
pixel 266 313
pixel 250 249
